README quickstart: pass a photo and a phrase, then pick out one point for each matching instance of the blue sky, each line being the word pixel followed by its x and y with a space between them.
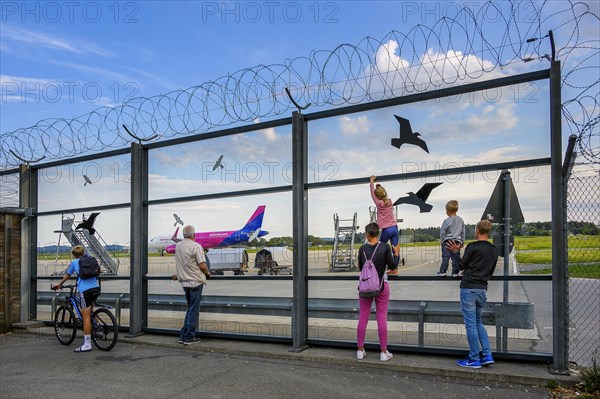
pixel 63 61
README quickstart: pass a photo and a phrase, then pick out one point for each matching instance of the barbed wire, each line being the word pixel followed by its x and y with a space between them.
pixel 455 50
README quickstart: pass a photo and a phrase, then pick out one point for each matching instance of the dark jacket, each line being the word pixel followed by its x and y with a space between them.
pixel 382 258
pixel 478 262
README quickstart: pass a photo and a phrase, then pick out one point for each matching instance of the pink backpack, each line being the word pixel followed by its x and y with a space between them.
pixel 369 283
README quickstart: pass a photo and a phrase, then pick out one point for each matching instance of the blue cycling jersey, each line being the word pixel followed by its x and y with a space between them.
pixel 82 285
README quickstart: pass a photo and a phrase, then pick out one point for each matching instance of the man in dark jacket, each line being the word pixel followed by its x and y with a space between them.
pixel 478 263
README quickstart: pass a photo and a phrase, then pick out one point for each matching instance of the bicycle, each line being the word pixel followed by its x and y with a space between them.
pixel 104 326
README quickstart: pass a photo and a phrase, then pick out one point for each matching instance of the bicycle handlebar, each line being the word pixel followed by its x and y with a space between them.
pixel 52 287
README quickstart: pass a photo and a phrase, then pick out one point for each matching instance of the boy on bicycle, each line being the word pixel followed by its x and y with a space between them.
pixel 89 291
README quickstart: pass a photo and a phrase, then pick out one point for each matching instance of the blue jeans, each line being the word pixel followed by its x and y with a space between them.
pixel 190 323
pixel 446 256
pixel 391 234
pixel 472 302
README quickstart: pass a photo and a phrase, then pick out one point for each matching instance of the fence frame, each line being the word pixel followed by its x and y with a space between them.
pixel 300 188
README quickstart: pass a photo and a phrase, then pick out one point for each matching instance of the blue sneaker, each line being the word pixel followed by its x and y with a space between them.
pixel 486 360
pixel 471 364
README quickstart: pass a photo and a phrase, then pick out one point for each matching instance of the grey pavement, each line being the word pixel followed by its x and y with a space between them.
pixel 34 365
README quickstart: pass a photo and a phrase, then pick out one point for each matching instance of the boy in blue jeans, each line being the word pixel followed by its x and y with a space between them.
pixel 478 263
pixel 452 230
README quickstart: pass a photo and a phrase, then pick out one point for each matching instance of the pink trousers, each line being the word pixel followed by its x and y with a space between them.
pixel 381 308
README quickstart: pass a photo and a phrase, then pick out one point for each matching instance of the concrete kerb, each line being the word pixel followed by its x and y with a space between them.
pixel 503 371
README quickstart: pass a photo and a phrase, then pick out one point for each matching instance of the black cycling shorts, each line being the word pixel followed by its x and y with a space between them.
pixel 88 297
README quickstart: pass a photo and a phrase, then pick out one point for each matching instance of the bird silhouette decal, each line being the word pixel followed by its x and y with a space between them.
pixel 407 136
pixel 419 199
pixel 88 223
pixel 254 235
pixel 218 163
pixel 177 220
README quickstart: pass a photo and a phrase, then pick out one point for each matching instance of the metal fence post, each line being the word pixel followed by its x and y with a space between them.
pixel 566 173
pixel 28 188
pixel 138 250
pixel 506 251
pixel 560 363
pixel 300 230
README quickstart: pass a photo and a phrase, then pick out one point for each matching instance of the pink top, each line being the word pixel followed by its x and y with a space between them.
pixel 385 212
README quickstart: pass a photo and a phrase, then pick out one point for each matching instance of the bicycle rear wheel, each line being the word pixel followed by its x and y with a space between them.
pixel 65 326
pixel 104 329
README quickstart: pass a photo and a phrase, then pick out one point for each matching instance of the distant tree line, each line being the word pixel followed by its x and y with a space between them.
pixel 424 234
pixel 427 234
pixel 419 234
pixel 545 228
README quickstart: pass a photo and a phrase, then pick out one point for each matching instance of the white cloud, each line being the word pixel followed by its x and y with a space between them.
pixel 393 75
pixel 269 134
pixel 21 80
pixel 96 71
pixel 30 38
pixel 168 159
pixel 354 126
pixel 478 124
pixel 155 79
pixel 501 154
pixel 494 119
pixel 386 59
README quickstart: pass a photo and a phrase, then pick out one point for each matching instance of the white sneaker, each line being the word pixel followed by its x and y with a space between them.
pixel 360 355
pixel 83 348
pixel 385 356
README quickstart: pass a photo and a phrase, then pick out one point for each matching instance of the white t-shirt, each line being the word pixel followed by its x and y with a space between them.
pixel 188 256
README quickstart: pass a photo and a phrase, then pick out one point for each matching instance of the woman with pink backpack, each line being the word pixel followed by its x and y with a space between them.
pixel 372 261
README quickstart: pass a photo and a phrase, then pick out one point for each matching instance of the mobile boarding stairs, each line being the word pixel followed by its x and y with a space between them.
pixel 83 233
pixel 343 255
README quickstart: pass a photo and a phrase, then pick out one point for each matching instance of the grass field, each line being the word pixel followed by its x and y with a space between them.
pixel 576 255
pixel 575 271
pixel 583 256
pixel 545 242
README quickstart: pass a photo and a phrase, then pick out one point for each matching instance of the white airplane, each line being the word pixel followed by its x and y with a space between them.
pixel 161 242
pixel 251 231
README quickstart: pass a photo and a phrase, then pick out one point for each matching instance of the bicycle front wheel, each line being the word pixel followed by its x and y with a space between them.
pixel 65 326
pixel 104 329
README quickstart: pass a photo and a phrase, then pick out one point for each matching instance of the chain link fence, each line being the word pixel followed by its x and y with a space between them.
pixel 583 217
